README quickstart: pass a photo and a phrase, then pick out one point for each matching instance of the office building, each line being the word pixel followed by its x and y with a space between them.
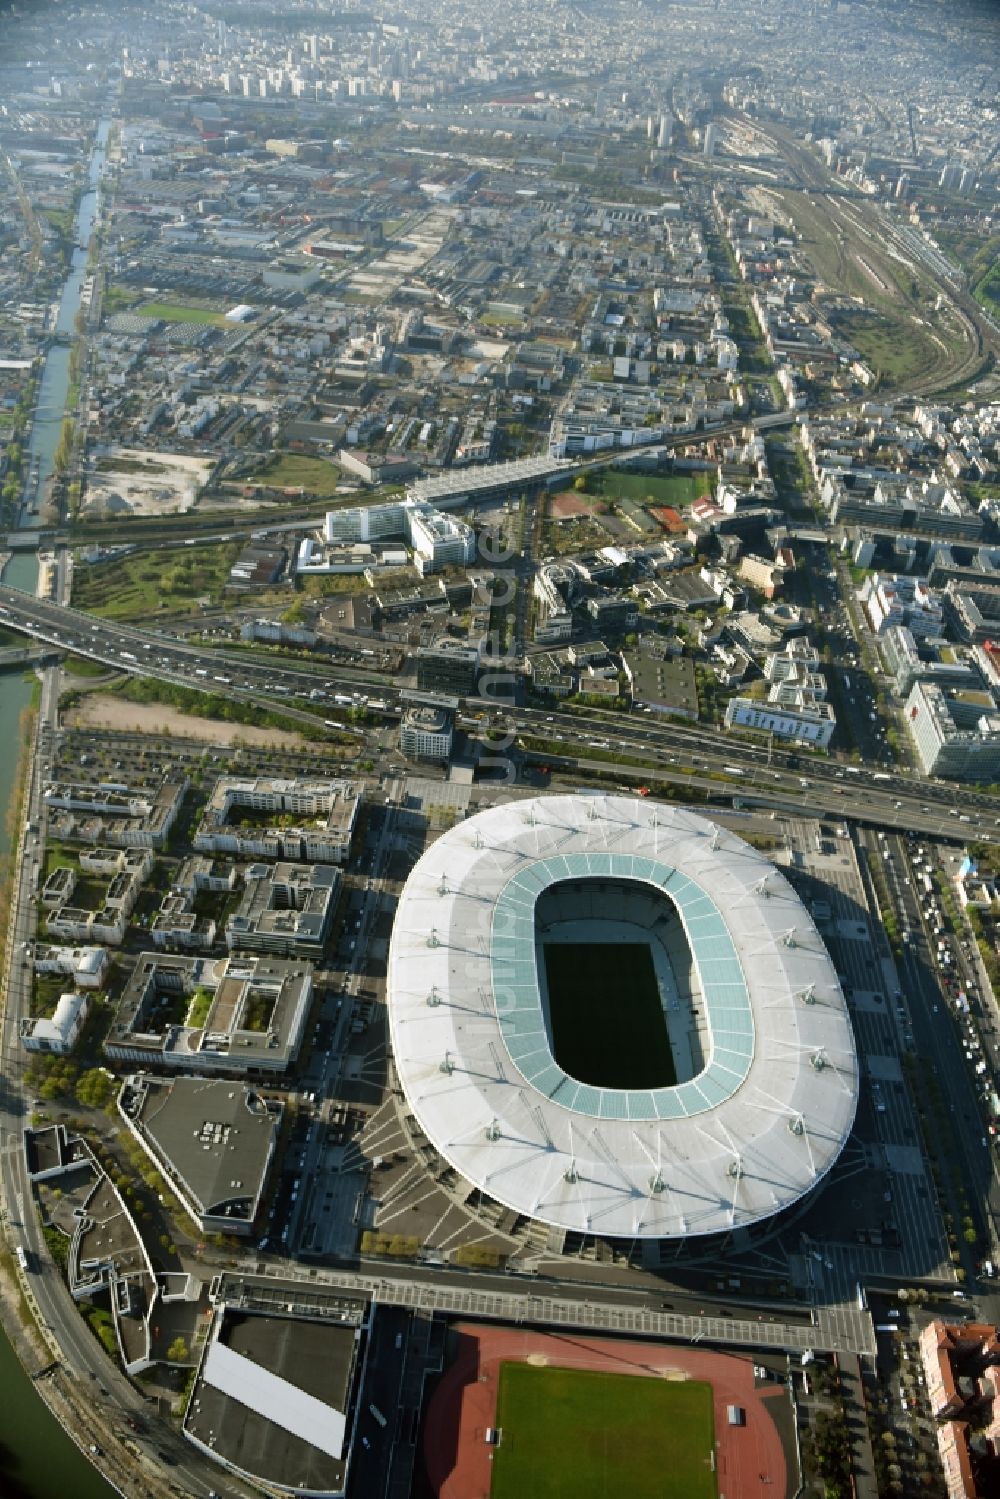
pixel 448 666
pixel 955 732
pixel 235 819
pixel 426 733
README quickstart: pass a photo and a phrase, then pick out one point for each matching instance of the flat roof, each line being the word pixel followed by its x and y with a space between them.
pixel 268 1395
pixel 230 1034
pixel 747 1136
pixel 216 1137
pixel 301 1357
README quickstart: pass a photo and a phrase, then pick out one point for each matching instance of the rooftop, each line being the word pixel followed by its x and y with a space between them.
pixel 215 1139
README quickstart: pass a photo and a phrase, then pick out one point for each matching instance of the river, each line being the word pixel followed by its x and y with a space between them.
pixel 37 1459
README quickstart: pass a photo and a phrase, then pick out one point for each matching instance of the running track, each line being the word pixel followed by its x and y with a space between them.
pixel 749 1459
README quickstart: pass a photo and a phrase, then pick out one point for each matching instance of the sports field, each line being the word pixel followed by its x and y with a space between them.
pixel 577 1434
pixel 607 1022
pixel 182 312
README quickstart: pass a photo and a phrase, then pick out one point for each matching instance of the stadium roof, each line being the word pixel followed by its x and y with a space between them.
pixel 744 1138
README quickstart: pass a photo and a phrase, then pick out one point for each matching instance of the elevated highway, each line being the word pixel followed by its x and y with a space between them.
pixel 756 773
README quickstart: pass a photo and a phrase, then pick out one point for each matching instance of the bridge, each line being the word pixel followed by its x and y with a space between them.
pixel 25 655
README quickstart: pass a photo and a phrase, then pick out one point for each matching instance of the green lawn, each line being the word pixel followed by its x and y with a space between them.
pixel 573 1434
pixel 604 1009
pixel 58 857
pixel 298 470
pixel 655 489
pixel 180 312
pixel 503 319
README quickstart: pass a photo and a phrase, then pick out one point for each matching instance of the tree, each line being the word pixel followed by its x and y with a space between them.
pixel 64 447
pixel 177 1353
pixel 94 1088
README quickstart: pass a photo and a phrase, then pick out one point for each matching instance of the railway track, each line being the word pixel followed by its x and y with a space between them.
pixel 847 214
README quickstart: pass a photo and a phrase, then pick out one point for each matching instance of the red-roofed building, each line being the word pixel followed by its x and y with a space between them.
pixel 962 1371
pixel 669 519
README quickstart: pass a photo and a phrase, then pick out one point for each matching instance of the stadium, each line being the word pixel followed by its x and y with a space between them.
pixel 617 1019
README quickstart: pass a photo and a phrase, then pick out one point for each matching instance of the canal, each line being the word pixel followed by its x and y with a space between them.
pixel 37 1458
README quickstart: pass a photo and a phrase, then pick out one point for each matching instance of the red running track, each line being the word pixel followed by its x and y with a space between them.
pixel 749 1460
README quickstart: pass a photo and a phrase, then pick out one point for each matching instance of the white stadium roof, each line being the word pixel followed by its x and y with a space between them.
pixel 744 1138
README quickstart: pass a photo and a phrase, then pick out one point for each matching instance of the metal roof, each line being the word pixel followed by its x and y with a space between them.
pixel 743 1139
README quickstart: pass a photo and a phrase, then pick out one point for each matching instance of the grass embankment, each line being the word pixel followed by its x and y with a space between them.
pixel 151 583
pixel 81 666
pixel 15 811
pixel 979 256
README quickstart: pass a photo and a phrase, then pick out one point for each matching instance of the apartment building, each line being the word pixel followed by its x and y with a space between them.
pixel 313 821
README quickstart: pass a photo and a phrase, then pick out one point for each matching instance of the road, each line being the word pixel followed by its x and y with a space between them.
pixel 937 1043
pixel 765 775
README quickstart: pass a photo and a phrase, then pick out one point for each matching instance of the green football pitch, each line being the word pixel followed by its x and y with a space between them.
pixel 577 1434
pixel 607 1021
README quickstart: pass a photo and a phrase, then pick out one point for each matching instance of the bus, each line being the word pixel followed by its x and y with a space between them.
pixel 22 1258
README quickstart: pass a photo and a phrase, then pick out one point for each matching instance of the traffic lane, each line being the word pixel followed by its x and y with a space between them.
pixel 263 676
pixel 373 1440
pixel 923 950
pixel 935 1037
